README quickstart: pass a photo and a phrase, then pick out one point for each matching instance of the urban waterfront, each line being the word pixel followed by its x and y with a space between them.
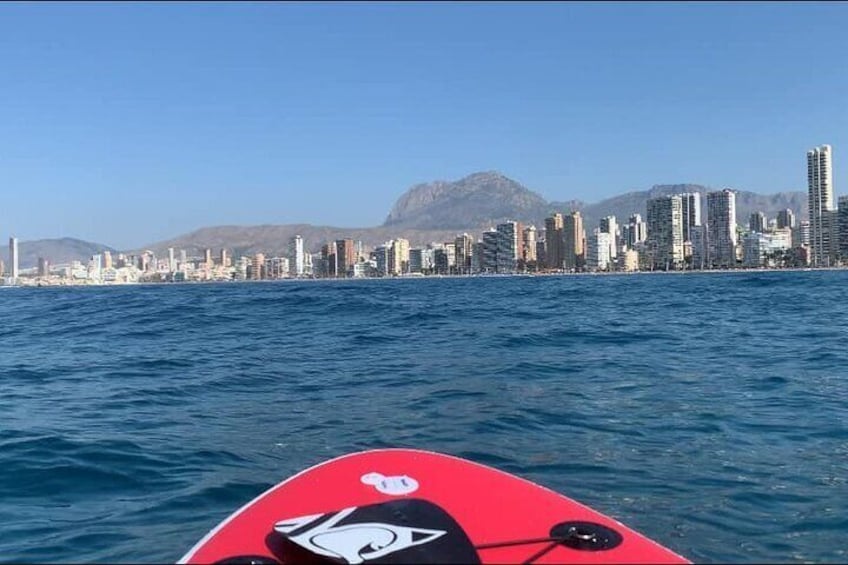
pixel 675 236
pixel 708 412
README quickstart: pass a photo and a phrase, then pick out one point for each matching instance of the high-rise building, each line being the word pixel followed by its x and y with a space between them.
pixel 328 260
pixel 464 245
pixel 107 259
pixel 345 257
pixel 634 232
pixel 490 251
pixel 801 236
pixel 398 257
pixel 172 262
pixel 598 252
pixel 43 267
pixel 450 255
pixel 95 267
pixel 786 219
pixel 699 247
pixel 610 226
pixel 573 238
pixel 297 256
pixel 509 246
pixel 758 223
pixel 842 223
pixel 540 253
pixel 207 258
pixel 225 261
pixel 820 201
pixel 14 260
pixel 257 267
pixel 477 257
pixel 554 251
pixel 690 203
pixel 381 259
pixel 721 228
pixel 665 231
pixel 416 260
pixel 529 252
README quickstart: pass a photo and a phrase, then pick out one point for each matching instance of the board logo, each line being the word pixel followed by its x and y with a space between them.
pixel 353 542
pixel 395 485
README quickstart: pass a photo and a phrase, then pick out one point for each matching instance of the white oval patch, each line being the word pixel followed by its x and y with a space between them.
pixel 395 485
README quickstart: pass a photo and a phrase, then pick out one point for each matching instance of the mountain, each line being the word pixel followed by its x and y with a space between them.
pixel 57 251
pixel 478 200
pixel 438 211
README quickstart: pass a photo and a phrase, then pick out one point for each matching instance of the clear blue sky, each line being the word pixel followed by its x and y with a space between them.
pixel 130 123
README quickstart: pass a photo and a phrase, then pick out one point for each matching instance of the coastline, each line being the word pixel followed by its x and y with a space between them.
pixel 64 284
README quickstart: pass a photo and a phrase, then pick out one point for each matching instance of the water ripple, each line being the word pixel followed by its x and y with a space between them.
pixel 707 411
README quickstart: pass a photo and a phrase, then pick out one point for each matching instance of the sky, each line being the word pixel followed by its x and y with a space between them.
pixel 129 123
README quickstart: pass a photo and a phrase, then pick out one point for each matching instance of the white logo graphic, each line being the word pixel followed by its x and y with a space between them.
pixel 354 543
pixel 396 485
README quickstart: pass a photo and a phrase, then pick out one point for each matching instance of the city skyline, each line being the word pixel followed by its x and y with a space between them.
pixel 316 111
pixel 674 237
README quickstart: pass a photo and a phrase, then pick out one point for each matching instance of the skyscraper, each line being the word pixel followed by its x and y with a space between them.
pixel 598 252
pixel 296 256
pixel 490 251
pixel 107 259
pixel 398 256
pixel 345 257
pixel 757 222
pixel 635 232
pixel 842 223
pixel 328 259
pixel 464 250
pixel 665 231
pixel 43 267
pixel 554 256
pixel 721 228
pixel 509 246
pixel 820 200
pixel 785 219
pixel 225 261
pixel 573 238
pixel 529 253
pixel 13 258
pixel 699 246
pixel 690 212
pixel 257 267
pixel 610 226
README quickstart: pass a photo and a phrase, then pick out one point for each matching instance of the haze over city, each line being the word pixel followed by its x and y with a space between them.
pixel 131 123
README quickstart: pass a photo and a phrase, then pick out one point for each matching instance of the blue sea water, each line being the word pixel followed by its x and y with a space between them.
pixel 708 411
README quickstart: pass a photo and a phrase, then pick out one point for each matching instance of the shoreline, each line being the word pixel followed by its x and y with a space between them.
pixel 429 277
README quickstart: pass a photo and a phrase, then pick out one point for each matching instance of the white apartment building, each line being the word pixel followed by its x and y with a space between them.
pixel 721 228
pixel 823 240
pixel 665 231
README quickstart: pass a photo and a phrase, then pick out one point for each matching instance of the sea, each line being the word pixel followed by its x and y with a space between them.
pixel 707 411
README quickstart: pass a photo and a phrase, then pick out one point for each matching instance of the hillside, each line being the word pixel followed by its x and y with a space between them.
pixel 477 200
pixel 440 210
pixel 57 251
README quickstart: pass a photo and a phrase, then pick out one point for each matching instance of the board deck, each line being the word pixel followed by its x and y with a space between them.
pixel 402 506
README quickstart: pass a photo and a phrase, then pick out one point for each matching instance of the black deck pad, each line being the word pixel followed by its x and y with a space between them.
pixel 407 530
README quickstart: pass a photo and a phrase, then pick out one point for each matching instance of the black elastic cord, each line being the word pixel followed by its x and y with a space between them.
pixel 515 542
pixel 541 553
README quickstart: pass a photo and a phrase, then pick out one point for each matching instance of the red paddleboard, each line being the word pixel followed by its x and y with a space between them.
pixel 409 506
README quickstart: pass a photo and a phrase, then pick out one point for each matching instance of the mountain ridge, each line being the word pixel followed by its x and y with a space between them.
pixel 424 213
pixel 440 210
